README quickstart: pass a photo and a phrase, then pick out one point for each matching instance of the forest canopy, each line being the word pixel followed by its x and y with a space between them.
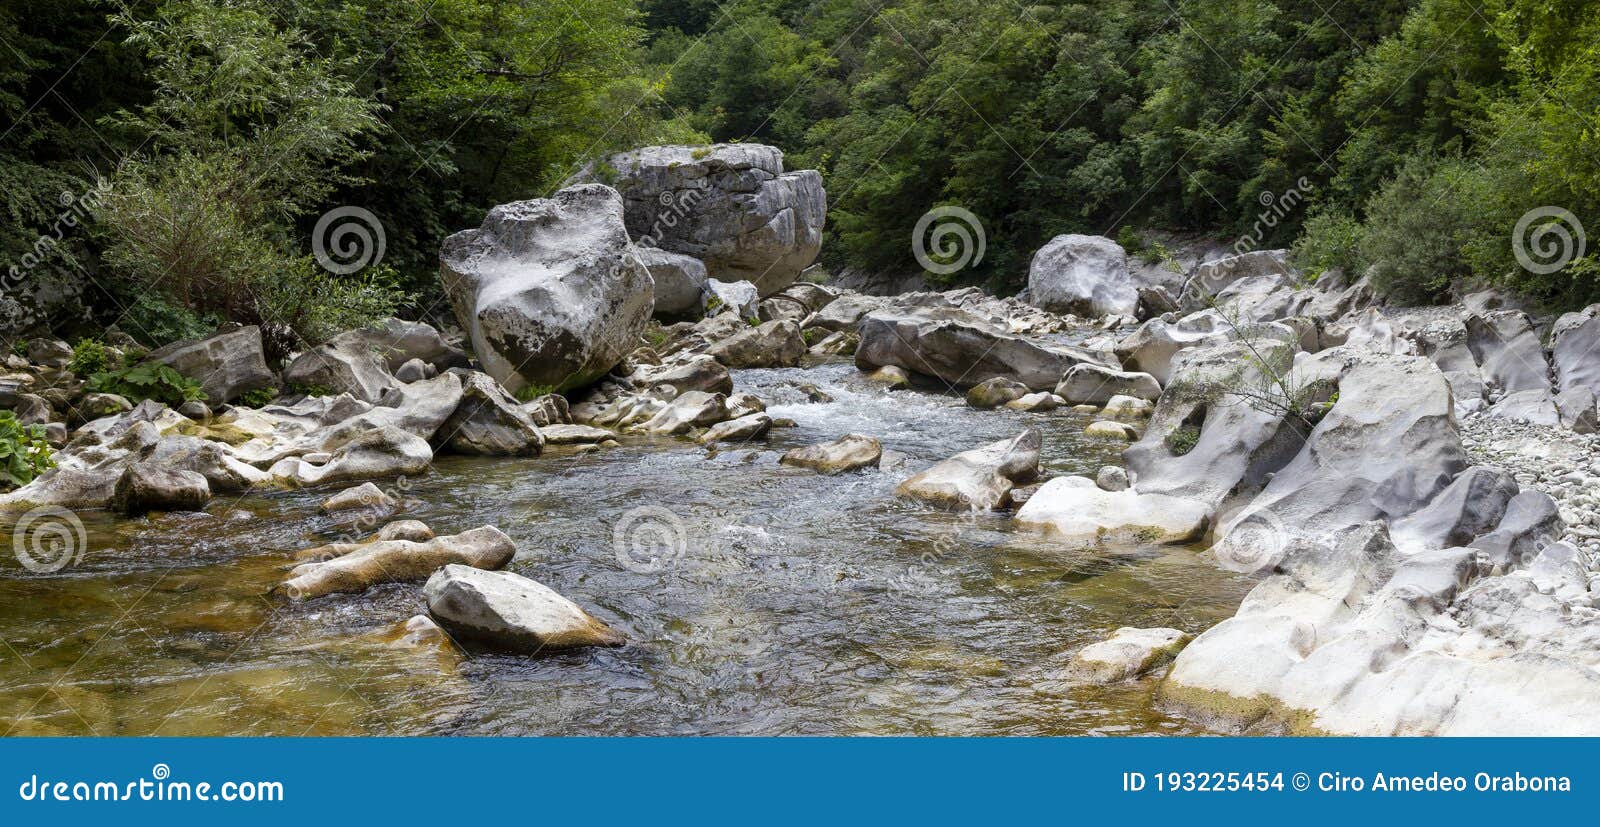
pixel 1410 137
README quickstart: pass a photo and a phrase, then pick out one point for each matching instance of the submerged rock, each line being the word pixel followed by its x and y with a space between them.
pixel 847 453
pixel 1128 653
pixel 980 479
pixel 510 612
pixel 397 561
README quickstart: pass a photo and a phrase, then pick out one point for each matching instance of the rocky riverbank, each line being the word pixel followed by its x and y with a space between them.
pixel 1413 488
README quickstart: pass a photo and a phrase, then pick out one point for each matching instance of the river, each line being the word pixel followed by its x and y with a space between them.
pixel 777 602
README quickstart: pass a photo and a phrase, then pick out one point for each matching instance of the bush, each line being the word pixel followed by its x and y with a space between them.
pixel 1418 228
pixel 258 398
pixel 528 393
pixel 1182 440
pixel 148 380
pixel 24 453
pixel 89 357
pixel 1331 241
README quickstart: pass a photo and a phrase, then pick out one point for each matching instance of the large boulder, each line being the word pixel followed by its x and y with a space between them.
pixel 1209 279
pixel 1078 513
pixel 680 281
pixel 550 291
pixel 1352 635
pixel 768 345
pixel 381 451
pixel 730 205
pixel 980 479
pixel 1223 423
pixel 489 421
pixel 1508 351
pixel 398 341
pixel 960 349
pixel 1383 451
pixel 347 363
pixel 1575 349
pixel 1095 385
pixel 226 365
pixel 1086 275
pixel 507 611
pixel 149 486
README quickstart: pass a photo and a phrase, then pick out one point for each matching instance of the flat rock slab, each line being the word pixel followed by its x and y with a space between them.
pixel 399 561
pixel 1078 512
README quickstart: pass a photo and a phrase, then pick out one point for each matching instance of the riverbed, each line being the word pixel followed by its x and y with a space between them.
pixel 758 599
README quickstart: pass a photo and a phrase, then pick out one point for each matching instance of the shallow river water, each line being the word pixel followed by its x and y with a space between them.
pixel 776 601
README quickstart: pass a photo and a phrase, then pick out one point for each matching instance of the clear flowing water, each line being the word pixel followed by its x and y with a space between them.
pixel 779 601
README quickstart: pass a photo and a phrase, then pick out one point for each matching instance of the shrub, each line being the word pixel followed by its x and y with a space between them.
pixel 258 398
pixel 528 393
pixel 1418 227
pixel 1331 240
pixel 148 380
pixel 311 389
pixel 89 357
pixel 24 453
pixel 1182 440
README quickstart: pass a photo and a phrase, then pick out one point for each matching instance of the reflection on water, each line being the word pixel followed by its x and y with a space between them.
pixel 797 604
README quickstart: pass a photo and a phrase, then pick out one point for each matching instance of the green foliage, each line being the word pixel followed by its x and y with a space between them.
pixel 1331 240
pixel 528 393
pixel 1182 440
pixel 148 380
pixel 312 389
pixel 1425 128
pixel 89 356
pixel 24 453
pixel 258 398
